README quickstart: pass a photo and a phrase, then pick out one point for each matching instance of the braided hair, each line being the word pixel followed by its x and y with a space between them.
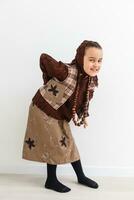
pixel 92 81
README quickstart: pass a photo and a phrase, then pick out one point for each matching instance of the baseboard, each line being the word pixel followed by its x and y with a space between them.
pixel 66 169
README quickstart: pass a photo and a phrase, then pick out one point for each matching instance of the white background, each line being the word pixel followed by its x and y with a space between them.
pixel 31 27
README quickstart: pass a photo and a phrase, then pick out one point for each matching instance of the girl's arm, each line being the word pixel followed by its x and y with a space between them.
pixel 52 68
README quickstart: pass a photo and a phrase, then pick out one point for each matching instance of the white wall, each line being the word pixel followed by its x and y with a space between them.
pixel 31 27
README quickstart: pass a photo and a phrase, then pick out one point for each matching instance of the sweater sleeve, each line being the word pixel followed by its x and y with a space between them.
pixel 52 68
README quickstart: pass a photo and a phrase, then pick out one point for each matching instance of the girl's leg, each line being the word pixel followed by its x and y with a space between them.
pixel 52 181
pixel 81 176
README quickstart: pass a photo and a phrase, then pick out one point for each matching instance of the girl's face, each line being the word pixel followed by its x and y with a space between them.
pixel 92 60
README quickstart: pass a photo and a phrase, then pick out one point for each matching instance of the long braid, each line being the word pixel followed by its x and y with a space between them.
pixel 75 101
pixel 90 86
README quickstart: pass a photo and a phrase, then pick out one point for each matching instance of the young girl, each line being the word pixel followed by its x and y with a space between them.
pixel 65 95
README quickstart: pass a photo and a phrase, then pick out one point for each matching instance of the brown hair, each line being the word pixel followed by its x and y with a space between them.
pixel 93 81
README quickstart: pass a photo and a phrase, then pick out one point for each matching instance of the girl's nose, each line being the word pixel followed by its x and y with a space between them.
pixel 96 67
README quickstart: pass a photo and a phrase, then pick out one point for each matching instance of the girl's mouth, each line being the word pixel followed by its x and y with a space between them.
pixel 94 70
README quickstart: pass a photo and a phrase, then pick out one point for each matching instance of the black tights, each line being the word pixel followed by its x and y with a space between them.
pixel 53 183
pixel 81 176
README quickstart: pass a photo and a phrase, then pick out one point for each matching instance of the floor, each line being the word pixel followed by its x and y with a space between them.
pixel 19 186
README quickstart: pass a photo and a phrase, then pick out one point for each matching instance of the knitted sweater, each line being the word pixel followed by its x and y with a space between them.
pixel 52 68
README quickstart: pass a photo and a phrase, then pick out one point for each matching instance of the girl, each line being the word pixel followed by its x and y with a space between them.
pixel 65 95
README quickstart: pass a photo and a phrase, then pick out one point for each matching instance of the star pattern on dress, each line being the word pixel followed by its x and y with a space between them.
pixel 30 143
pixel 63 141
pixel 53 89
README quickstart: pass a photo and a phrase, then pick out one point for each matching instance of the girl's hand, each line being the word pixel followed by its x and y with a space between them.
pixel 85 123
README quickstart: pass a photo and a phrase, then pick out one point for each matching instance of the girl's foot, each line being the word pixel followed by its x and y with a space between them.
pixel 56 185
pixel 88 182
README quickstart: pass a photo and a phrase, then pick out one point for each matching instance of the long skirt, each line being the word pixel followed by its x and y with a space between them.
pixel 48 139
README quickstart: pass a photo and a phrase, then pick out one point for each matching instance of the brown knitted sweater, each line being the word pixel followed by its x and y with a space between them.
pixel 51 68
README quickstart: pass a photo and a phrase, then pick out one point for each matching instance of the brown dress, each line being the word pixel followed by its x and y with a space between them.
pixel 48 137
